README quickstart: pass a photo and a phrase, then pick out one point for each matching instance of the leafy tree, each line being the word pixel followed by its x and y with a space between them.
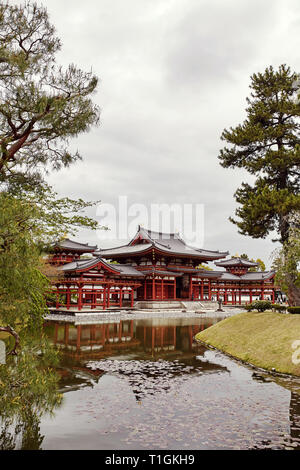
pixel 28 389
pixel 266 144
pixel 287 262
pixel 261 265
pixel 41 105
pixel 26 226
pixel 204 266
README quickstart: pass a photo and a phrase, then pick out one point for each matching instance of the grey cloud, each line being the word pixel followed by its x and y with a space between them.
pixel 213 38
pixel 173 75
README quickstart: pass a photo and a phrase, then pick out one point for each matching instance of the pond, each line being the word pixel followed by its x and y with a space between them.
pixel 146 384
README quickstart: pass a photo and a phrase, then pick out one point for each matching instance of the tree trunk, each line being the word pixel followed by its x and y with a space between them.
pixel 293 294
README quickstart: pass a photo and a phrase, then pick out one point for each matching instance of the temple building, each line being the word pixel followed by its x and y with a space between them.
pixel 152 267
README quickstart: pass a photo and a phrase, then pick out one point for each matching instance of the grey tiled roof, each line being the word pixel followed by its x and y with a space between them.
pixel 162 272
pixel 258 276
pixel 236 262
pixel 121 269
pixel 119 250
pixel 168 243
pixel 229 277
pixel 72 245
pixel 203 273
pixel 126 270
pixel 84 264
pixel 253 276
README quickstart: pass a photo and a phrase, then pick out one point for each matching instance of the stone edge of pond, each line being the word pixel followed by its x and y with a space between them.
pixel 249 364
pixel 137 315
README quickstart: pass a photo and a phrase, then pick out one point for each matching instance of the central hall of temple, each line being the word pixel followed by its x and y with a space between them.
pixel 154 267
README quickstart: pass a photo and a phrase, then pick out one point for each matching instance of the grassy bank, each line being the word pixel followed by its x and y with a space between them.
pixel 4 335
pixel 262 339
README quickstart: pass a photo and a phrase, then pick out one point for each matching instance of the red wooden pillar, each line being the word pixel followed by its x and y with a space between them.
pixel 121 296
pixel 108 297
pixel 273 296
pixel 262 294
pixel 104 298
pixel 209 290
pixel 57 294
pixel 202 290
pixel 191 288
pixel 250 293
pixel 93 297
pixel 162 289
pixel 218 295
pixel 174 287
pixel 132 299
pixel 225 297
pixel 240 297
pixel 153 288
pixel 232 297
pixel 68 295
pixel 80 297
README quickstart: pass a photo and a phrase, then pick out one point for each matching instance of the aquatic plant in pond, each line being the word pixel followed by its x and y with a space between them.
pixel 28 389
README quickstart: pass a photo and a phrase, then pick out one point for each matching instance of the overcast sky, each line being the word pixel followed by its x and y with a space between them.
pixel 173 74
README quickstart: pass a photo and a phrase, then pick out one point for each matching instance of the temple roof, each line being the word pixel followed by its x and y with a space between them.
pixel 125 249
pixel 166 243
pixel 70 245
pixel 226 276
pixel 161 272
pixel 236 262
pixel 258 276
pixel 84 264
pixel 127 270
pixel 205 273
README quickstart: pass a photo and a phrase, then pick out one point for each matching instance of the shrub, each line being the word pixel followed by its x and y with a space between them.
pixel 293 309
pixel 248 307
pixel 262 305
pixel 278 308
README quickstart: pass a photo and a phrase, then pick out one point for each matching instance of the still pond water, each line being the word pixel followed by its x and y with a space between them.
pixel 146 384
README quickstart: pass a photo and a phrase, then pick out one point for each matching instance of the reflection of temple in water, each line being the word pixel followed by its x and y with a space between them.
pixel 109 339
pixel 151 350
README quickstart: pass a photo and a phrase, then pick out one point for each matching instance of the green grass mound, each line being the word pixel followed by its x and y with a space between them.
pixel 266 340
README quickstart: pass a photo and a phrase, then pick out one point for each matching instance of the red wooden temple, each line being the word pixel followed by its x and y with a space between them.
pixel 152 267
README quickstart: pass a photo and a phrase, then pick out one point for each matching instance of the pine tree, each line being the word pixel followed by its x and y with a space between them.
pixel 42 105
pixel 267 145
